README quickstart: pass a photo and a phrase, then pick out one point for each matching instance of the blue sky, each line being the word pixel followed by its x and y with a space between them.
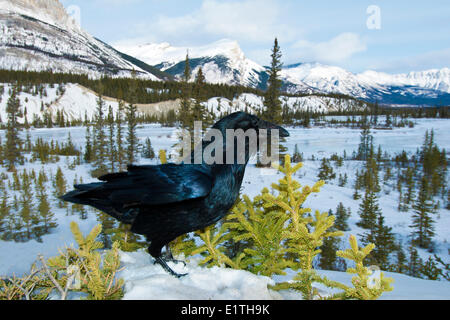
pixel 413 35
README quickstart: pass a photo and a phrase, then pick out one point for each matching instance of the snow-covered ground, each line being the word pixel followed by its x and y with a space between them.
pixel 146 281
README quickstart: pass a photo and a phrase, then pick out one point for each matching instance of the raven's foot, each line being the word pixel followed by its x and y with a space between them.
pixel 166 267
pixel 175 261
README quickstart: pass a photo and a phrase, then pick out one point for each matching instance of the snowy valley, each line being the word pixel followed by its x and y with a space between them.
pixel 73 108
pixel 143 280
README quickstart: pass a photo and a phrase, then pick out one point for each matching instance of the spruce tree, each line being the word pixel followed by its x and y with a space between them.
pixel 199 111
pixel 402 206
pixel 415 262
pixel 297 156
pixel 410 184
pixel 272 102
pixel 430 270
pixel 111 147
pixel 100 144
pixel 16 182
pixel 119 136
pixel 422 222
pixel 326 171
pixel 148 151
pixel 27 214
pixel 366 141
pixel 46 216
pixel 4 212
pixel 369 210
pixel 388 120
pixel 342 216
pixel 13 142
pixel 382 236
pixel 88 152
pixel 328 257
pixel 132 140
pixel 387 175
pixel 186 94
pixel 28 142
pixel 272 96
pixel 357 186
pixel 370 176
pixel 60 186
pixel 343 179
pixel 7 227
pixel 401 261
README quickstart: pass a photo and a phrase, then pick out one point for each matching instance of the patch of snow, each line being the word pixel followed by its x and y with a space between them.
pixel 146 281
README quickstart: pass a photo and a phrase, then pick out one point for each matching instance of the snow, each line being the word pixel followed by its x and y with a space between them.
pixel 147 281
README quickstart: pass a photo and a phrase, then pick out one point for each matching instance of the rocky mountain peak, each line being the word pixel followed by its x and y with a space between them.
pixel 48 11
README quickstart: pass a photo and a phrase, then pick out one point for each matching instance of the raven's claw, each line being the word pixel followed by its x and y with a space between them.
pixel 176 261
pixel 166 267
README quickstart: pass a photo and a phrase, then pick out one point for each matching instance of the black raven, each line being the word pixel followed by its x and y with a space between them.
pixel 163 202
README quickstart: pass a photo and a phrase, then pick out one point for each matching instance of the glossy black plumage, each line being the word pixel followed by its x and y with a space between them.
pixel 163 202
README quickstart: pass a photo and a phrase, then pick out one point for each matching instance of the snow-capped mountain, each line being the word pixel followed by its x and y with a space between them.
pixel 38 35
pixel 416 88
pixel 435 79
pixel 224 62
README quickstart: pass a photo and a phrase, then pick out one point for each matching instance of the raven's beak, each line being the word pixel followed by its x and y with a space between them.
pixel 270 126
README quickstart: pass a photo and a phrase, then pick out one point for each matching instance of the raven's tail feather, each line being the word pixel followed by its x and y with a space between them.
pixel 73 197
pixel 83 196
pixel 81 193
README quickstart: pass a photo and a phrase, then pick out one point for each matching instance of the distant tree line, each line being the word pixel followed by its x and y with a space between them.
pixel 138 90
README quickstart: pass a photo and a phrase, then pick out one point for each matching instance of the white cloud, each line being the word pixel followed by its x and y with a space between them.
pixel 336 50
pixel 256 21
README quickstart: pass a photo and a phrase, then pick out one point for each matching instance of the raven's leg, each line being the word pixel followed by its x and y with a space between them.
pixel 170 258
pixel 155 252
pixel 169 254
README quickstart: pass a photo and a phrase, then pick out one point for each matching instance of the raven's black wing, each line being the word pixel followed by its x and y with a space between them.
pixel 144 186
